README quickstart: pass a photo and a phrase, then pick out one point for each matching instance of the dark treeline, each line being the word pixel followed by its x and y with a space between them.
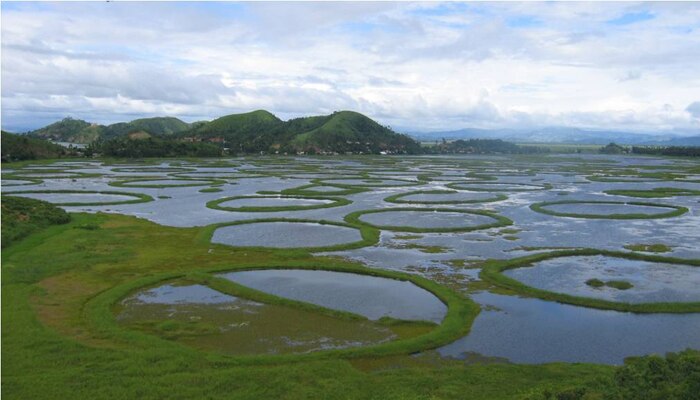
pixel 482 146
pixel 151 147
pixel 683 151
pixel 19 148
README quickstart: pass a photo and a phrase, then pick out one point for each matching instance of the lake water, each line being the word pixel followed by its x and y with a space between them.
pixel 285 235
pixel 519 329
pixel 370 296
pixel 652 282
pixel 426 219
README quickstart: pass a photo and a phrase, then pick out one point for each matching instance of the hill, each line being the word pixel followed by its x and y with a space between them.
pixel 348 131
pixel 69 130
pixel 340 132
pixel 252 132
pixel 151 126
pixel 18 148
pixel 79 131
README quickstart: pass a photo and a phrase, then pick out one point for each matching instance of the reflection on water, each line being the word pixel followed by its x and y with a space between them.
pixel 652 282
pixel 537 331
pixel 200 317
pixel 370 296
pixel 285 235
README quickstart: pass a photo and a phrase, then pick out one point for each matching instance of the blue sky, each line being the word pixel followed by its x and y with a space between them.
pixel 415 66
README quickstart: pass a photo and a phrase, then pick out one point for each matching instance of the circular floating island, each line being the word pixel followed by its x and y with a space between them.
pixel 293 233
pixel 290 311
pixel 166 183
pixel 20 182
pixel 152 169
pixel 83 197
pixel 409 219
pixel 498 186
pixel 444 197
pixel 603 279
pixel 607 209
pixel 368 182
pixel 654 193
pixel 315 189
pixel 274 203
pixel 370 296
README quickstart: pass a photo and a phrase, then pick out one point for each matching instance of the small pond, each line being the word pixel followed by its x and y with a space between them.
pixel 425 219
pixel 605 209
pixel 86 198
pixel 281 234
pixel 272 202
pixel 203 318
pixel 651 281
pixel 371 296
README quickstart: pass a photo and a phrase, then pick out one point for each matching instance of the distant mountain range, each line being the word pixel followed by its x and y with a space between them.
pixel 342 131
pixel 256 131
pixel 561 135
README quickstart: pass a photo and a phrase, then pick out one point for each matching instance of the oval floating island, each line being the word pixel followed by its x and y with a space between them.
pixel 83 197
pixel 370 296
pixel 203 318
pixel 291 311
pixel 498 186
pixel 409 219
pixel 293 233
pixel 608 209
pixel 166 183
pixel 20 182
pixel 613 278
pixel 602 279
pixel 444 197
pixel 368 182
pixel 272 203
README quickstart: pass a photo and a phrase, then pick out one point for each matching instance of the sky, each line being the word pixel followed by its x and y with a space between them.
pixel 414 66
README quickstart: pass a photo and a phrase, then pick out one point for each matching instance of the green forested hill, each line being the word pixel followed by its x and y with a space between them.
pixel 69 130
pixel 252 132
pixel 348 131
pixel 153 126
pixel 19 147
pixel 79 131
pixel 343 131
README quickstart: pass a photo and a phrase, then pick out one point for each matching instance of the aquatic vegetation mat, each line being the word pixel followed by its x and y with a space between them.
pixel 608 209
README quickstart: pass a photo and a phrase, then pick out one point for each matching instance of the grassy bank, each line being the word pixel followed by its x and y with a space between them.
pixel 54 345
pixel 493 272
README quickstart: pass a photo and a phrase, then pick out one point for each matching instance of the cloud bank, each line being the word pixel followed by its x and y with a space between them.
pixel 415 66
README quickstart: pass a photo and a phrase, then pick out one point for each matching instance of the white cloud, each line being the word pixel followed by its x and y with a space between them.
pixel 414 65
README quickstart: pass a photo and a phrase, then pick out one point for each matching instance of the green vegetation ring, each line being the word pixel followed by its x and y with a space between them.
pixel 369 235
pixel 138 197
pixel 306 190
pixel 653 193
pixel 398 198
pixel 32 181
pixel 525 187
pixel 676 210
pixel 499 220
pixel 164 170
pixel 38 175
pixel 200 182
pixel 461 312
pixel 334 202
pixel 492 272
pixel 369 182
pixel 623 178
